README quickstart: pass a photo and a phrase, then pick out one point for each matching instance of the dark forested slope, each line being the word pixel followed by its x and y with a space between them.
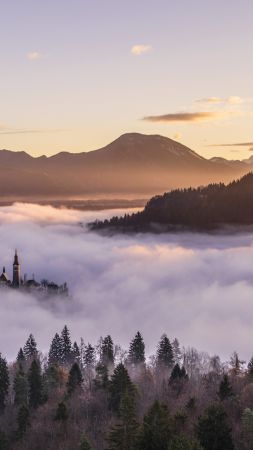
pixel 202 208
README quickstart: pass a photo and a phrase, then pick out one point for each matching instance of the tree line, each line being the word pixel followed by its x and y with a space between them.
pixel 101 397
pixel 202 208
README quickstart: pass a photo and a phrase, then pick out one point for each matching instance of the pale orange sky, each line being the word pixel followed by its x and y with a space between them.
pixel 76 76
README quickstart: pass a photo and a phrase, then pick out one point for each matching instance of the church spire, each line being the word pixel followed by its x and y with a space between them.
pixel 16 271
pixel 16 258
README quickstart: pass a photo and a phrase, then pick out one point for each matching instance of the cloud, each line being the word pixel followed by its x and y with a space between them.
pixel 202 116
pixel 138 50
pixel 27 131
pixel 33 56
pixel 240 144
pixel 232 100
pixel 194 286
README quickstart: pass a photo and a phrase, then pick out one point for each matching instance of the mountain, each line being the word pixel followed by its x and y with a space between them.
pixel 206 208
pixel 132 165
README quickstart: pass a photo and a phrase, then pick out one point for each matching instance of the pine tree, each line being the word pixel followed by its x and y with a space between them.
pixel 213 431
pixel 177 354
pixel 136 354
pixel 75 378
pixel 76 353
pixel 165 358
pixel 66 346
pixel 247 429
pixel 124 434
pixel 236 364
pixel 225 389
pixel 250 367
pixel 4 445
pixel 89 357
pixel 4 382
pixel 102 379
pixel 180 442
pixel 30 348
pixel 35 385
pixel 107 354
pixel 20 387
pixel 20 356
pixel 55 351
pixel 119 386
pixel 23 421
pixel 61 413
pixel 156 430
pixel 84 444
pixel 178 374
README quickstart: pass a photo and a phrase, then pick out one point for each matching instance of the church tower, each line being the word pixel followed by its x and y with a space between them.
pixel 16 271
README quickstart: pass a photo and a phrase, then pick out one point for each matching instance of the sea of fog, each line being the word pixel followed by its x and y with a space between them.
pixel 196 287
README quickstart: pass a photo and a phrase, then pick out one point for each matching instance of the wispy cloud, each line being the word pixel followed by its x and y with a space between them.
pixel 27 131
pixel 201 116
pixel 140 49
pixel 237 144
pixel 33 56
pixel 232 100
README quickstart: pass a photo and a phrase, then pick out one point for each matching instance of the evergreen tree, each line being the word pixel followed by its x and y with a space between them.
pixel 247 429
pixel 61 413
pixel 136 354
pixel 102 379
pixel 30 348
pixel 236 364
pixel 213 431
pixel 23 421
pixel 124 434
pixel 107 354
pixel 4 445
pixel 250 367
pixel 35 385
pixel 20 356
pixel 89 357
pixel 54 377
pixel 225 389
pixel 177 354
pixel 181 442
pixel 4 382
pixel 156 430
pixel 84 444
pixel 20 387
pixel 66 346
pixel 55 351
pixel 76 353
pixel 119 386
pixel 178 374
pixel 164 357
pixel 75 378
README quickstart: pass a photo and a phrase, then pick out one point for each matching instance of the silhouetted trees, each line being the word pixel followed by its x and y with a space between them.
pixel 136 353
pixel 4 382
pixel 213 430
pixel 202 208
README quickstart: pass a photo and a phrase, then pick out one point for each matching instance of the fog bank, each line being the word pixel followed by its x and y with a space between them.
pixel 196 287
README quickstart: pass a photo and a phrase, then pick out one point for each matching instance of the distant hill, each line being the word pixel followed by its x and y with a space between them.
pixel 203 208
pixel 134 164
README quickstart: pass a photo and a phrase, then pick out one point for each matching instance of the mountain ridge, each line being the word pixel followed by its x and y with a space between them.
pixel 134 163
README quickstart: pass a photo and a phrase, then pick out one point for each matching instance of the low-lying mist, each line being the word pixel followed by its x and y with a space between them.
pixel 196 287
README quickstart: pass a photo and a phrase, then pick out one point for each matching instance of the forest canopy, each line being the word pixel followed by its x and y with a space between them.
pixel 81 396
pixel 203 208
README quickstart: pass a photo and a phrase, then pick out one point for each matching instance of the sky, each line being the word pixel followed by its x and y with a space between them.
pixel 195 287
pixel 76 75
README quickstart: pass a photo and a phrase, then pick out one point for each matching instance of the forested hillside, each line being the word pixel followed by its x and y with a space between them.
pixel 84 397
pixel 202 208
